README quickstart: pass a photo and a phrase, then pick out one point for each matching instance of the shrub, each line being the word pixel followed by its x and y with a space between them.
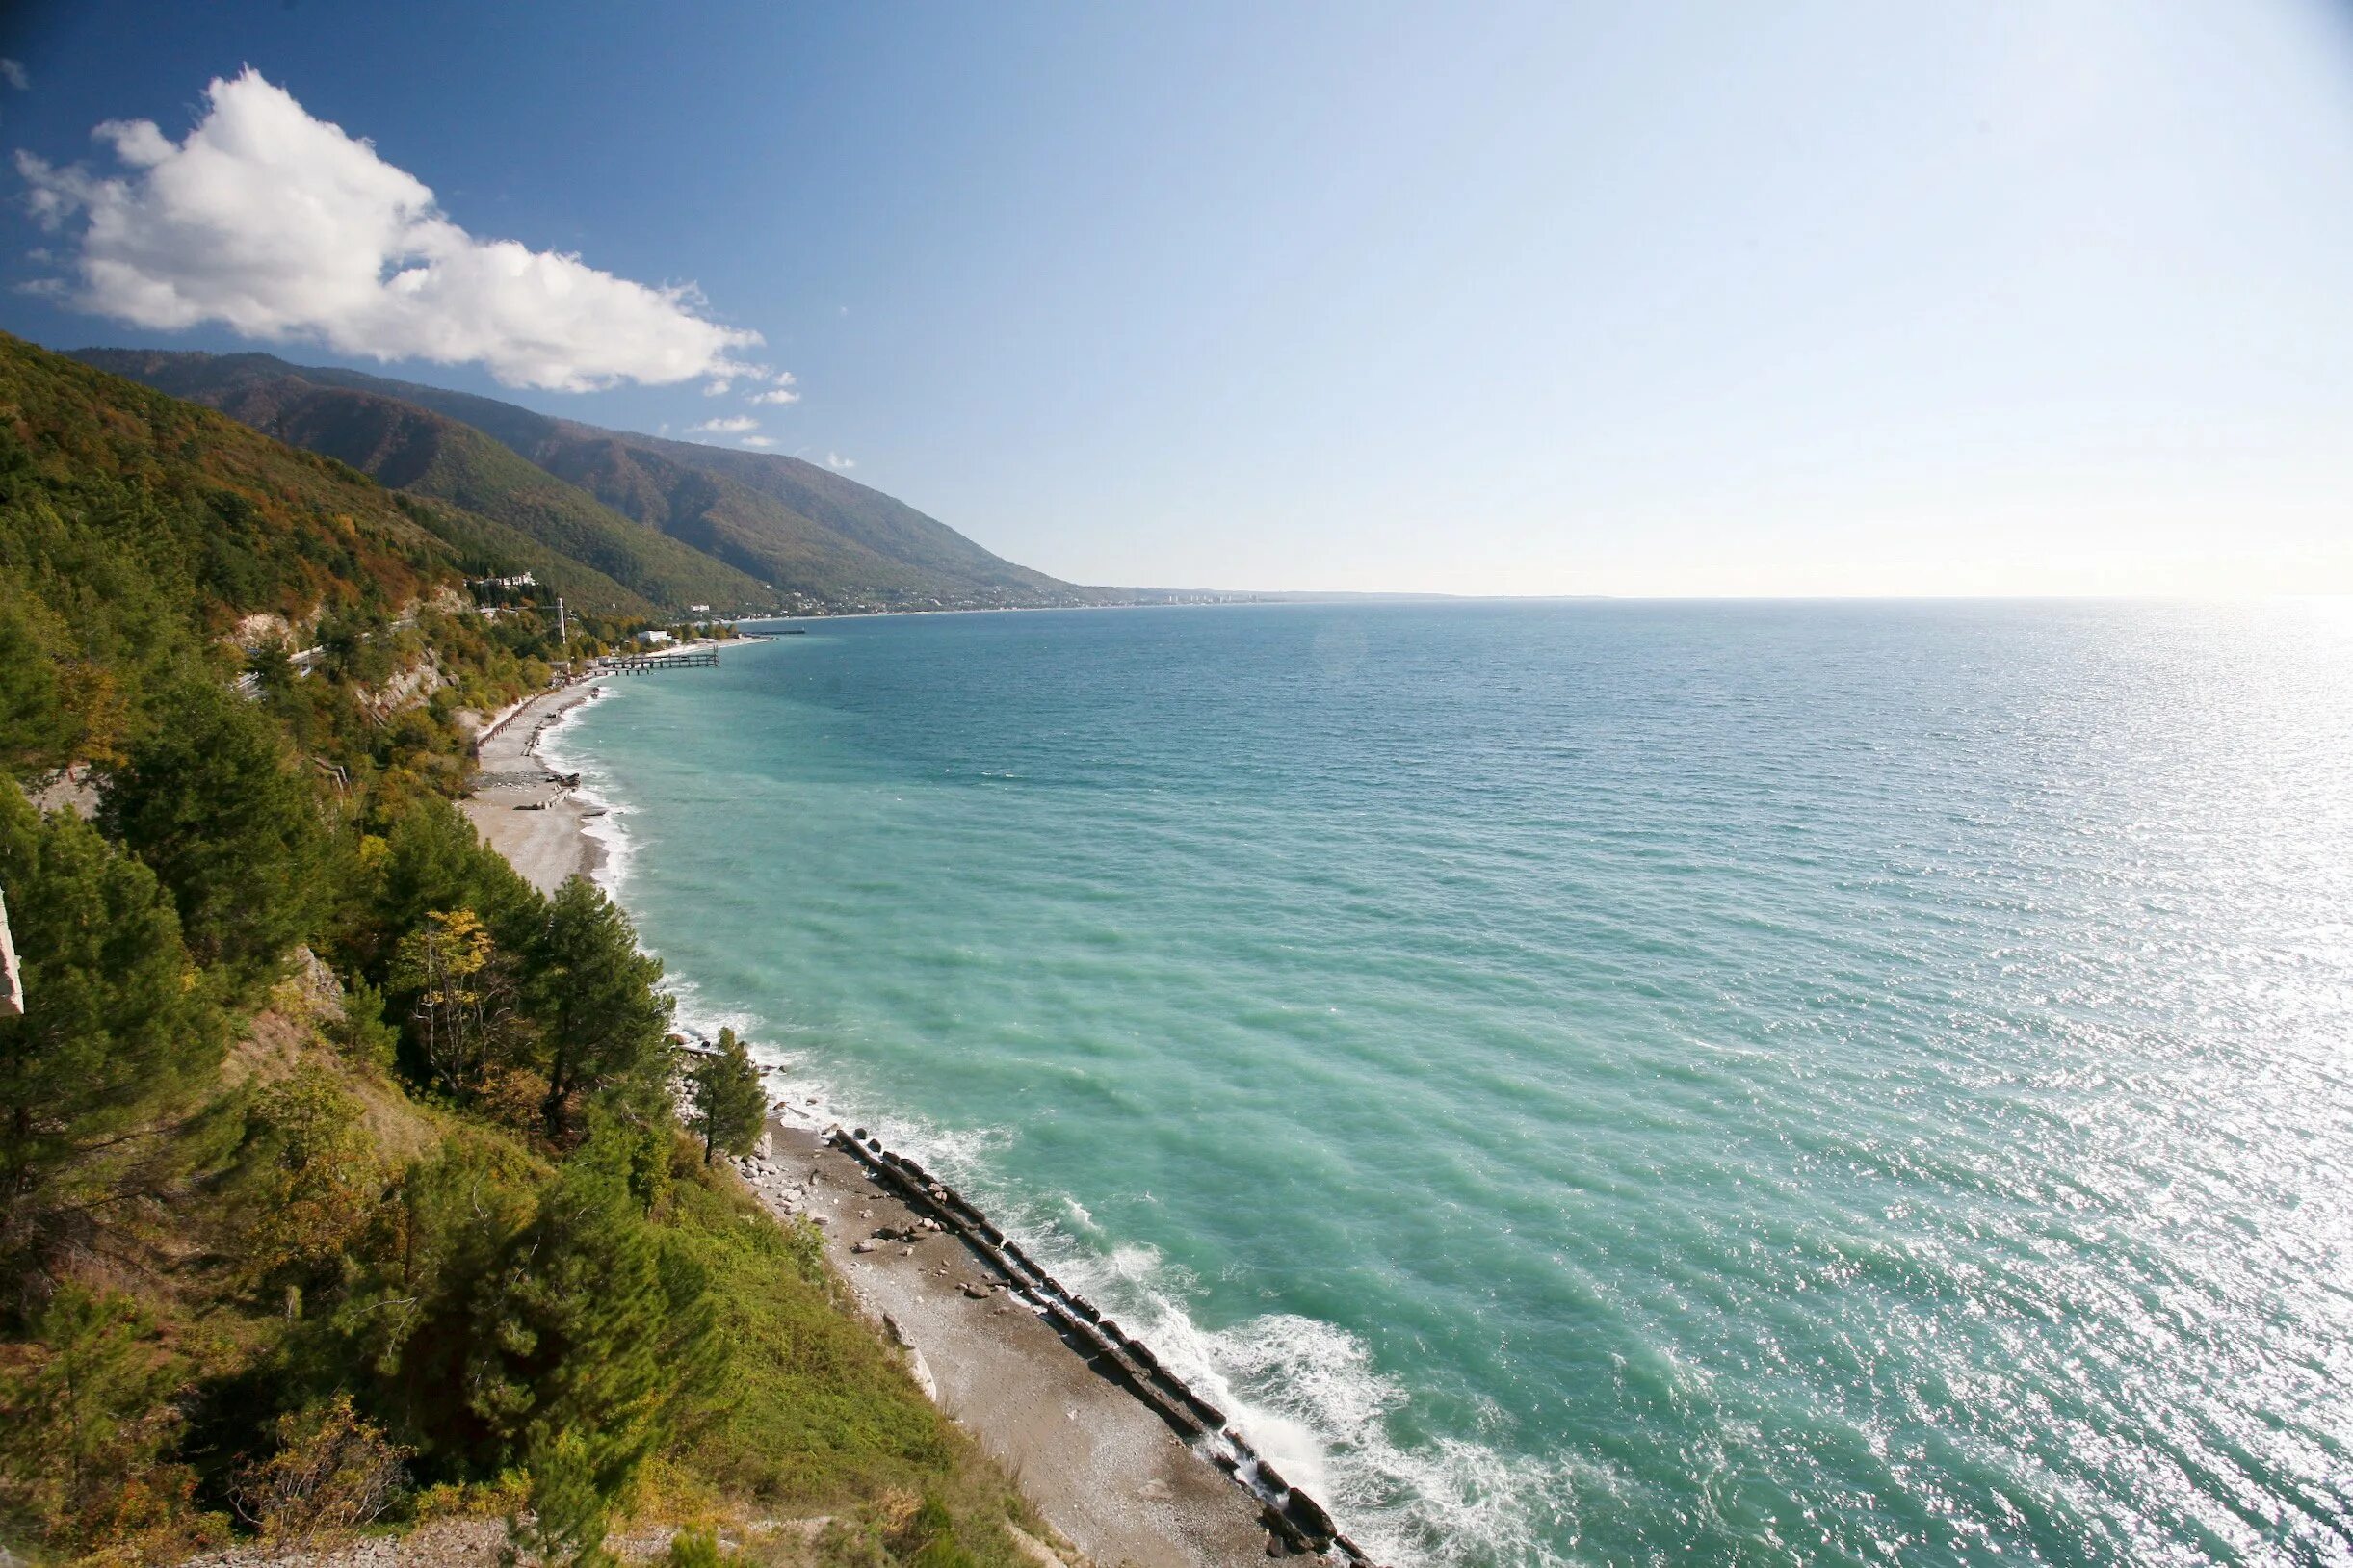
pixel 363 1034
pixel 309 1176
pixel 86 1410
pixel 332 1471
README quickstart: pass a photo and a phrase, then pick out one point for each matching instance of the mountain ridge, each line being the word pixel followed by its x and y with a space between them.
pixel 807 537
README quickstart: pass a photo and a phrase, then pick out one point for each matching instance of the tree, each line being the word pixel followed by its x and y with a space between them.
pixel 432 858
pixel 84 1413
pixel 210 799
pixel 730 1106
pixel 600 1018
pixel 592 1348
pixel 355 647
pixel 36 730
pixel 448 964
pixel 307 1177
pixel 272 666
pixel 361 1032
pixel 571 1510
pixel 117 1040
pixel 416 1315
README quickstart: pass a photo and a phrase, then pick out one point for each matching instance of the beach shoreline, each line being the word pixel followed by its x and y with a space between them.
pixel 521 806
pixel 1113 1477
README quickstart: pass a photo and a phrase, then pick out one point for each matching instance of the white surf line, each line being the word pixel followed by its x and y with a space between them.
pixel 1290 1513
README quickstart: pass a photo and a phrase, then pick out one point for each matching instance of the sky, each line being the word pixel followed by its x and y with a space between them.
pixel 1552 299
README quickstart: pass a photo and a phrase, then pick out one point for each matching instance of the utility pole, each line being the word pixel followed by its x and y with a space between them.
pixel 563 634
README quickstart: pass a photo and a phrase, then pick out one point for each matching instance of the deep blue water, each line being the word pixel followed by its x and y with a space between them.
pixel 1600 1082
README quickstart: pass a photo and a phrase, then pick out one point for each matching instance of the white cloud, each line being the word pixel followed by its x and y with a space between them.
pixel 283 226
pixel 835 460
pixel 759 441
pixel 718 388
pixel 730 424
pixel 782 394
pixel 13 73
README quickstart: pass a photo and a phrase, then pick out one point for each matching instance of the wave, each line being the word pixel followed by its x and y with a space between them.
pixel 1304 1393
pixel 1307 1395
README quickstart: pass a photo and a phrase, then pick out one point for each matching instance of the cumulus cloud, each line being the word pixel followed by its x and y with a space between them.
pixel 782 392
pixel 730 424
pixel 283 226
pixel 835 460
pixel 759 441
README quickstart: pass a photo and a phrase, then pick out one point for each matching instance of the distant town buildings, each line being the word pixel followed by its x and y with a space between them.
pixel 521 580
pixel 652 640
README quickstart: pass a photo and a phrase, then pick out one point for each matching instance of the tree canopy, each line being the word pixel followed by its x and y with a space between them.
pixel 209 798
pixel 604 1023
pixel 116 1039
pixel 729 1105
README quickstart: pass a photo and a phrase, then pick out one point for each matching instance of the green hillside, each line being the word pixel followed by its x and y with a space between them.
pixel 805 528
pixel 628 566
pixel 139 527
pixel 345 1180
pixel 808 531
pixel 889 529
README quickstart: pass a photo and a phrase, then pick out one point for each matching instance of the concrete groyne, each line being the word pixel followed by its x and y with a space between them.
pixel 1290 1515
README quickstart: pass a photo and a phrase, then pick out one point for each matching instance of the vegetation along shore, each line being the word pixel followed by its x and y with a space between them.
pixel 349 1177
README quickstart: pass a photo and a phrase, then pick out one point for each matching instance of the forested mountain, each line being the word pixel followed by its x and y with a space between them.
pixel 804 528
pixel 344 1177
pixel 411 448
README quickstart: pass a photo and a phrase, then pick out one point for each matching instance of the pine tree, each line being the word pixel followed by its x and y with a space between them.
pixel 730 1106
pixel 116 1037
pixel 36 733
pixel 591 1346
pixel 210 799
pixel 84 1418
pixel 601 1020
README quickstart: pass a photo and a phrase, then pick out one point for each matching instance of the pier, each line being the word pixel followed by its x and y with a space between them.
pixel 647 663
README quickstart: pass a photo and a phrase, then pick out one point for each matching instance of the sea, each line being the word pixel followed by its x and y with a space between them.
pixel 1596 1081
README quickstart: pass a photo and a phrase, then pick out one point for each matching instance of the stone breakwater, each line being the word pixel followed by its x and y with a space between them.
pixel 1290 1516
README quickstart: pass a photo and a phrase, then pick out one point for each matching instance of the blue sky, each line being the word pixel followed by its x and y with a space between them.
pixel 1551 298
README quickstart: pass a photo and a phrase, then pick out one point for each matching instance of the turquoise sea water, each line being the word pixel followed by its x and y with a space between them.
pixel 1599 1083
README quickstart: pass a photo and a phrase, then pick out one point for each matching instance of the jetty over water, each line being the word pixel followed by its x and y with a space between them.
pixel 648 664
